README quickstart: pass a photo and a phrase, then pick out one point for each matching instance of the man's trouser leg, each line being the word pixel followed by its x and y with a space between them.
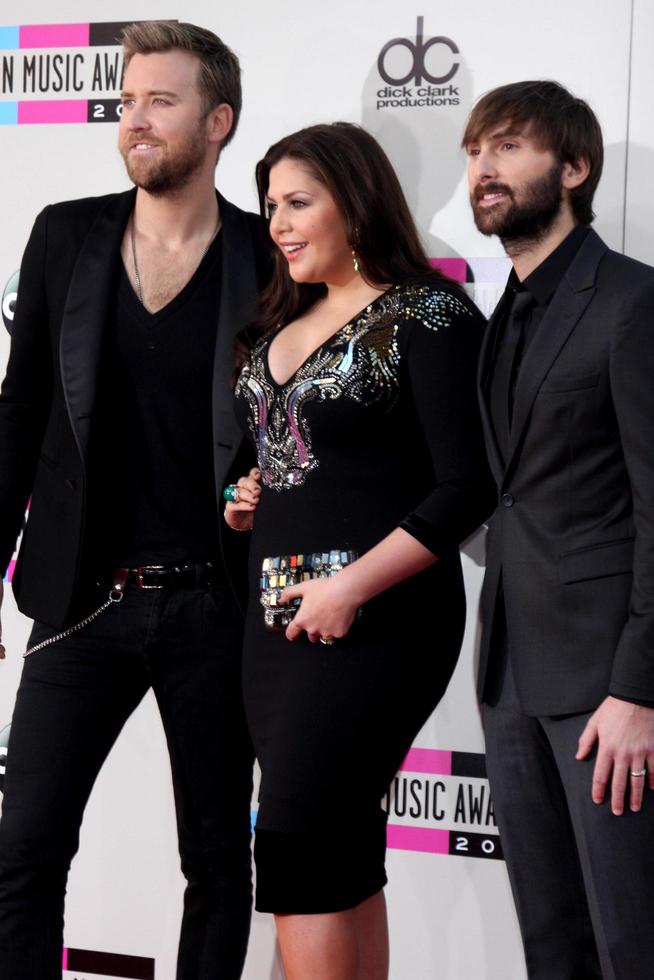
pixel 617 859
pixel 72 701
pixel 571 862
pixel 539 848
pixel 196 675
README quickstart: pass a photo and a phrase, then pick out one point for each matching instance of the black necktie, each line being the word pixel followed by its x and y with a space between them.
pixel 523 304
pixel 505 369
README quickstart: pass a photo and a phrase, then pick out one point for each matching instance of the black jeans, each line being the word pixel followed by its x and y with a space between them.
pixel 74 697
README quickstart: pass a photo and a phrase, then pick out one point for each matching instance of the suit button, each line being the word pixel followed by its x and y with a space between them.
pixel 508 500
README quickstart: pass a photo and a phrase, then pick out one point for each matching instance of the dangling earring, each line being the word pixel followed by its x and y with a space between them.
pixel 355 260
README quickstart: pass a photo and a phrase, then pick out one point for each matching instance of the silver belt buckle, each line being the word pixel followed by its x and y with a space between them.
pixel 139 574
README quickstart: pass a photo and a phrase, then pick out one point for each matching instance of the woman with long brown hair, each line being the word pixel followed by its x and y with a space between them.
pixel 357 387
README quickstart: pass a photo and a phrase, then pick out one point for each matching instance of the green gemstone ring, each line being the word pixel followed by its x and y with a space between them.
pixel 231 493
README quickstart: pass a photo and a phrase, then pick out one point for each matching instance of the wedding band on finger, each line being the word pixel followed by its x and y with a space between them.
pixel 327 641
pixel 638 773
pixel 231 493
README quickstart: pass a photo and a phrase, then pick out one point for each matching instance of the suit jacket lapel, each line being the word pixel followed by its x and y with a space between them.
pixel 238 299
pixel 565 310
pixel 92 284
pixel 484 376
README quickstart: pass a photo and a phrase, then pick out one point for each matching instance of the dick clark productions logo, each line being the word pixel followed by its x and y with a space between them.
pixel 428 82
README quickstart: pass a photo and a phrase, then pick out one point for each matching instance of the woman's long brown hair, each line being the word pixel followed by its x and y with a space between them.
pixel 359 176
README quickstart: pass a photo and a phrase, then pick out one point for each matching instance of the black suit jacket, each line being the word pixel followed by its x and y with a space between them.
pixel 47 402
pixel 572 538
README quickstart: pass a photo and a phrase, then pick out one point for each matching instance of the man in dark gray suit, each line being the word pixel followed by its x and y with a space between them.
pixel 116 416
pixel 567 661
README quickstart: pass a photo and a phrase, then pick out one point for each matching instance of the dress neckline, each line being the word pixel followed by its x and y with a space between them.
pixel 323 343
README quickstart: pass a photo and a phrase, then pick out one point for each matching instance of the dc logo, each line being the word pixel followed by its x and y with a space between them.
pixel 9 300
pixel 4 738
pixel 418 51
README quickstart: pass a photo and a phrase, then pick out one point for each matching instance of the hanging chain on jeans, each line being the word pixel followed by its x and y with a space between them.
pixel 115 595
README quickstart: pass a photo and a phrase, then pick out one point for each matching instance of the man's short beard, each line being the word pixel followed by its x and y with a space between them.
pixel 521 225
pixel 171 174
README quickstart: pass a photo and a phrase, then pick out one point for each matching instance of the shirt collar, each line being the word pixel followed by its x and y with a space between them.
pixel 543 281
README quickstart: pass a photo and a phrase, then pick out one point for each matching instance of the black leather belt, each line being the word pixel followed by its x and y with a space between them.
pixel 198 575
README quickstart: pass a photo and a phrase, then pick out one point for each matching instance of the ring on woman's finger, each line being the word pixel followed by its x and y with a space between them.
pixel 638 773
pixel 328 641
pixel 231 493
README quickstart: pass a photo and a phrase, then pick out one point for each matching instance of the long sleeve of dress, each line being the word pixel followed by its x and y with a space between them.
pixel 440 355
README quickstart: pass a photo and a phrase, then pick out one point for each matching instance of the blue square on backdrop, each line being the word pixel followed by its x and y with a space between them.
pixel 8 113
pixel 8 38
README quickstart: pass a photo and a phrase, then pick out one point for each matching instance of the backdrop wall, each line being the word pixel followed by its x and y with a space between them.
pixel 450 908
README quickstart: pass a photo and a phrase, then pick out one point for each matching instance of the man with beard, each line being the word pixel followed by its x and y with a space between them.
pixel 116 417
pixel 567 659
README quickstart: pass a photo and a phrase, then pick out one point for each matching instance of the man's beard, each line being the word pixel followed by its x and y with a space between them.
pixel 523 223
pixel 171 173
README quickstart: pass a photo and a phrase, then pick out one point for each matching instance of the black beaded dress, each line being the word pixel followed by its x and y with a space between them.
pixel 378 428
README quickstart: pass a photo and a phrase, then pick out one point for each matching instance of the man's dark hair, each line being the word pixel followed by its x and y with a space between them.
pixel 556 120
pixel 219 78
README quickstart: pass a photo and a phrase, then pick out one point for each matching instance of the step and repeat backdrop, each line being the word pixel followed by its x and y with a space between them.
pixel 410 74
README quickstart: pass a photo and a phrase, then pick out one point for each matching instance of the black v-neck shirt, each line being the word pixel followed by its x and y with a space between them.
pixel 152 497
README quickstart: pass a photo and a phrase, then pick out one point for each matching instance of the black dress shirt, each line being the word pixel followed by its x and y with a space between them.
pixel 526 304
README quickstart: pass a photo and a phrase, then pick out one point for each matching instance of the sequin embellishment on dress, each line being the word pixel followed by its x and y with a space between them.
pixel 360 361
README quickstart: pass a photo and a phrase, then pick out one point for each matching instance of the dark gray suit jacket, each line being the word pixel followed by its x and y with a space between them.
pixel 572 538
pixel 48 396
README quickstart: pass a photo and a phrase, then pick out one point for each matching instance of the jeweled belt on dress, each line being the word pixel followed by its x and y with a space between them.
pixel 284 570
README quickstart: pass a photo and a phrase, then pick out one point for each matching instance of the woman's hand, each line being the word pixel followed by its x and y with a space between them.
pixel 327 609
pixel 329 605
pixel 239 514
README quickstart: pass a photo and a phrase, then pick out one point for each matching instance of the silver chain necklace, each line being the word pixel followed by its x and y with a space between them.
pixel 137 277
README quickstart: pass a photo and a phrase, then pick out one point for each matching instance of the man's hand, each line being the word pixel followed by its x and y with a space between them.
pixel 625 733
pixel 2 649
